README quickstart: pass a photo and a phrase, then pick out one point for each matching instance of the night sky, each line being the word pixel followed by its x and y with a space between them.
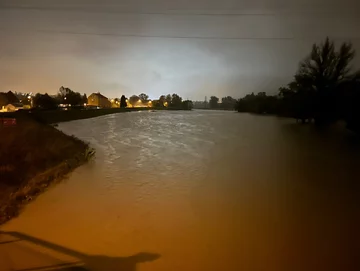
pixel 195 48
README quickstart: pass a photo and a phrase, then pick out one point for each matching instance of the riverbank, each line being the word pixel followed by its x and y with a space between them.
pixel 55 116
pixel 33 156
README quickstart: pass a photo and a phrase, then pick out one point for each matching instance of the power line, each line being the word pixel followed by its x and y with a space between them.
pixel 174 12
pixel 175 37
pixel 165 13
pixel 157 36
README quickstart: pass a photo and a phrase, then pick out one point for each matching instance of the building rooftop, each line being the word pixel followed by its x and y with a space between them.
pixel 99 95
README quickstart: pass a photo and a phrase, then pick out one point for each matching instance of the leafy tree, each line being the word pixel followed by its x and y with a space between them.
pixel 74 98
pixel 348 103
pixel 156 104
pixel 168 99
pixel 228 102
pixel 134 99
pixel 123 103
pixel 44 101
pixel 67 96
pixel 176 100
pixel 26 101
pixel 63 91
pixel 259 104
pixel 324 89
pixel 144 98
pixel 84 99
pixel 187 104
pixel 3 100
pixel 296 101
pixel 319 77
pixel 162 100
pixel 214 102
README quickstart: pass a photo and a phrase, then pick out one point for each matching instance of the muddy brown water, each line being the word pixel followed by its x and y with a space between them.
pixel 203 190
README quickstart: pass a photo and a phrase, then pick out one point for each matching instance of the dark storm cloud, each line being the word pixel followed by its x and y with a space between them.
pixel 118 47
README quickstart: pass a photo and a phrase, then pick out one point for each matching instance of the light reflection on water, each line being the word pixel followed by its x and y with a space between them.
pixel 207 190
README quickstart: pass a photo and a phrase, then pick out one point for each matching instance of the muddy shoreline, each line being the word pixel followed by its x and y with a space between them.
pixel 33 157
pixel 17 198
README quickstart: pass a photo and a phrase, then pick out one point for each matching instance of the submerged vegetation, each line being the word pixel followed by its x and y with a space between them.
pixel 324 89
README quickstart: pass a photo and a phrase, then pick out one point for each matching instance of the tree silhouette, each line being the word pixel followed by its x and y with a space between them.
pixel 319 76
pixel 144 98
pixel 168 99
pixel 228 102
pixel 162 100
pixel 133 100
pixel 214 102
pixel 176 100
pixel 67 96
pixel 84 98
pixel 259 104
pixel 348 103
pixel 44 101
pixel 324 89
pixel 123 103
pixel 187 105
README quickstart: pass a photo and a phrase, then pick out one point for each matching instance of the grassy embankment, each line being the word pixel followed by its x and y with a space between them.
pixel 32 156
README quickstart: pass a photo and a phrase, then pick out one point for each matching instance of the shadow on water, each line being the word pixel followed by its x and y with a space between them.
pixel 87 262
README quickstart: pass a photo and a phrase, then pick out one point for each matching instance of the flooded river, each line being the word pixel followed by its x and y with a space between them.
pixel 200 190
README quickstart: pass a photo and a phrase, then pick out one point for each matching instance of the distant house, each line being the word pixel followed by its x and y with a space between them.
pixel 96 99
pixel 12 107
pixel 9 102
pixel 7 98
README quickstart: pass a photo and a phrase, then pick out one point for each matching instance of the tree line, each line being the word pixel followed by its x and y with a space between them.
pixel 169 101
pixel 227 103
pixel 66 97
pixel 324 89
